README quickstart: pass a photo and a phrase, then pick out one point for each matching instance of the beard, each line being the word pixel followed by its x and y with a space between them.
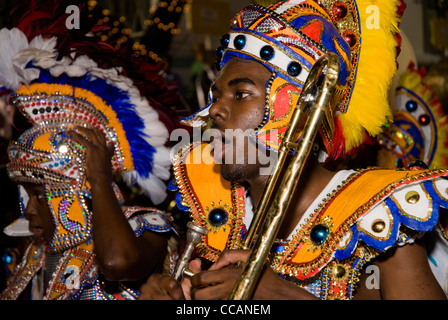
pixel 239 172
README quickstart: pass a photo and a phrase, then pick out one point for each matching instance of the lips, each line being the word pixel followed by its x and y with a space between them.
pixel 219 145
pixel 36 230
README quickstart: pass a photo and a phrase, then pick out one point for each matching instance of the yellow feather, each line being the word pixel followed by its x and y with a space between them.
pixel 369 106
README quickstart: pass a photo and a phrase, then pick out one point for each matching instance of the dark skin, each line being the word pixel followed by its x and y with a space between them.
pixel 121 255
pixel 38 214
pixel 405 274
pixel 40 221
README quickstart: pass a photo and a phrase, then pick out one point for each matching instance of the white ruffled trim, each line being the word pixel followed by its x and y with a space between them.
pixel 16 53
pixel 19 228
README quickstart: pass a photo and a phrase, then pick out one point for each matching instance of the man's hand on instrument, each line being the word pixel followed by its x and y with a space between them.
pixel 217 282
pixel 161 287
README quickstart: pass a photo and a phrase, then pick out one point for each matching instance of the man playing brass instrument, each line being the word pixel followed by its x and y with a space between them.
pixel 340 226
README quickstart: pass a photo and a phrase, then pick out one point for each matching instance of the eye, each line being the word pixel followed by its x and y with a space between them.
pixel 241 94
pixel 37 194
pixel 40 196
pixel 214 99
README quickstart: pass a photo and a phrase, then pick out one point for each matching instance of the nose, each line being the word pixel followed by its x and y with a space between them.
pixel 219 111
pixel 30 209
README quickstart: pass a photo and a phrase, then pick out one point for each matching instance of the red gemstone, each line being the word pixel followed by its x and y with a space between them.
pixel 424 119
pixel 350 38
pixel 340 10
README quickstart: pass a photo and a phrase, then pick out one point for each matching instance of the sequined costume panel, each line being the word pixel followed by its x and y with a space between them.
pixel 76 276
pixel 357 216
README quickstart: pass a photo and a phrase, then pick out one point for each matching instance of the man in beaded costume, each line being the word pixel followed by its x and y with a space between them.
pixel 88 122
pixel 337 221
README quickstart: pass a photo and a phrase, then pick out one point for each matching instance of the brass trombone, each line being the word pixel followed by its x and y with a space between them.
pixel 194 236
pixel 267 220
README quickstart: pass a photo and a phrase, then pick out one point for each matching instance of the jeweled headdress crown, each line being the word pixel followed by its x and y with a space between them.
pixel 289 36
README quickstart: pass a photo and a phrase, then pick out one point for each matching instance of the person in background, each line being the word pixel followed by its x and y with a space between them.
pixel 91 118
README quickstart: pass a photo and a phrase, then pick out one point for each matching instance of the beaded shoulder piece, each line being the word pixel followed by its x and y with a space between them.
pixel 369 212
pixel 76 276
pixel 370 206
pixel 31 262
pixel 213 202
pixel 141 219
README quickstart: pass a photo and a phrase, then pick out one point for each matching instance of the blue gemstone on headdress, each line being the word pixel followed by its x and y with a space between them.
pixel 219 52
pixel 225 40
pixel 218 217
pixel 267 53
pixel 411 106
pixel 319 234
pixel 294 68
pixel 239 42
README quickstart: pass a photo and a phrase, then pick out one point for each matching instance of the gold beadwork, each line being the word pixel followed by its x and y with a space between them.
pixel 339 271
pixel 378 225
pixel 412 197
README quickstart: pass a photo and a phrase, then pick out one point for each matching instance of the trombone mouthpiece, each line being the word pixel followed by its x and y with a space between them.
pixel 194 236
pixel 195 233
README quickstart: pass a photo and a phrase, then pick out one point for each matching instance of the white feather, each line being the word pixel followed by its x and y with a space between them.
pixel 11 42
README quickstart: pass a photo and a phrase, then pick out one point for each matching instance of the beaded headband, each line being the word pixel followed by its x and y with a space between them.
pixel 289 36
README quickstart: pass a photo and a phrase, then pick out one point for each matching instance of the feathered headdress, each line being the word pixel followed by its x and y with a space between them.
pixel 49 72
pixel 59 79
pixel 289 36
